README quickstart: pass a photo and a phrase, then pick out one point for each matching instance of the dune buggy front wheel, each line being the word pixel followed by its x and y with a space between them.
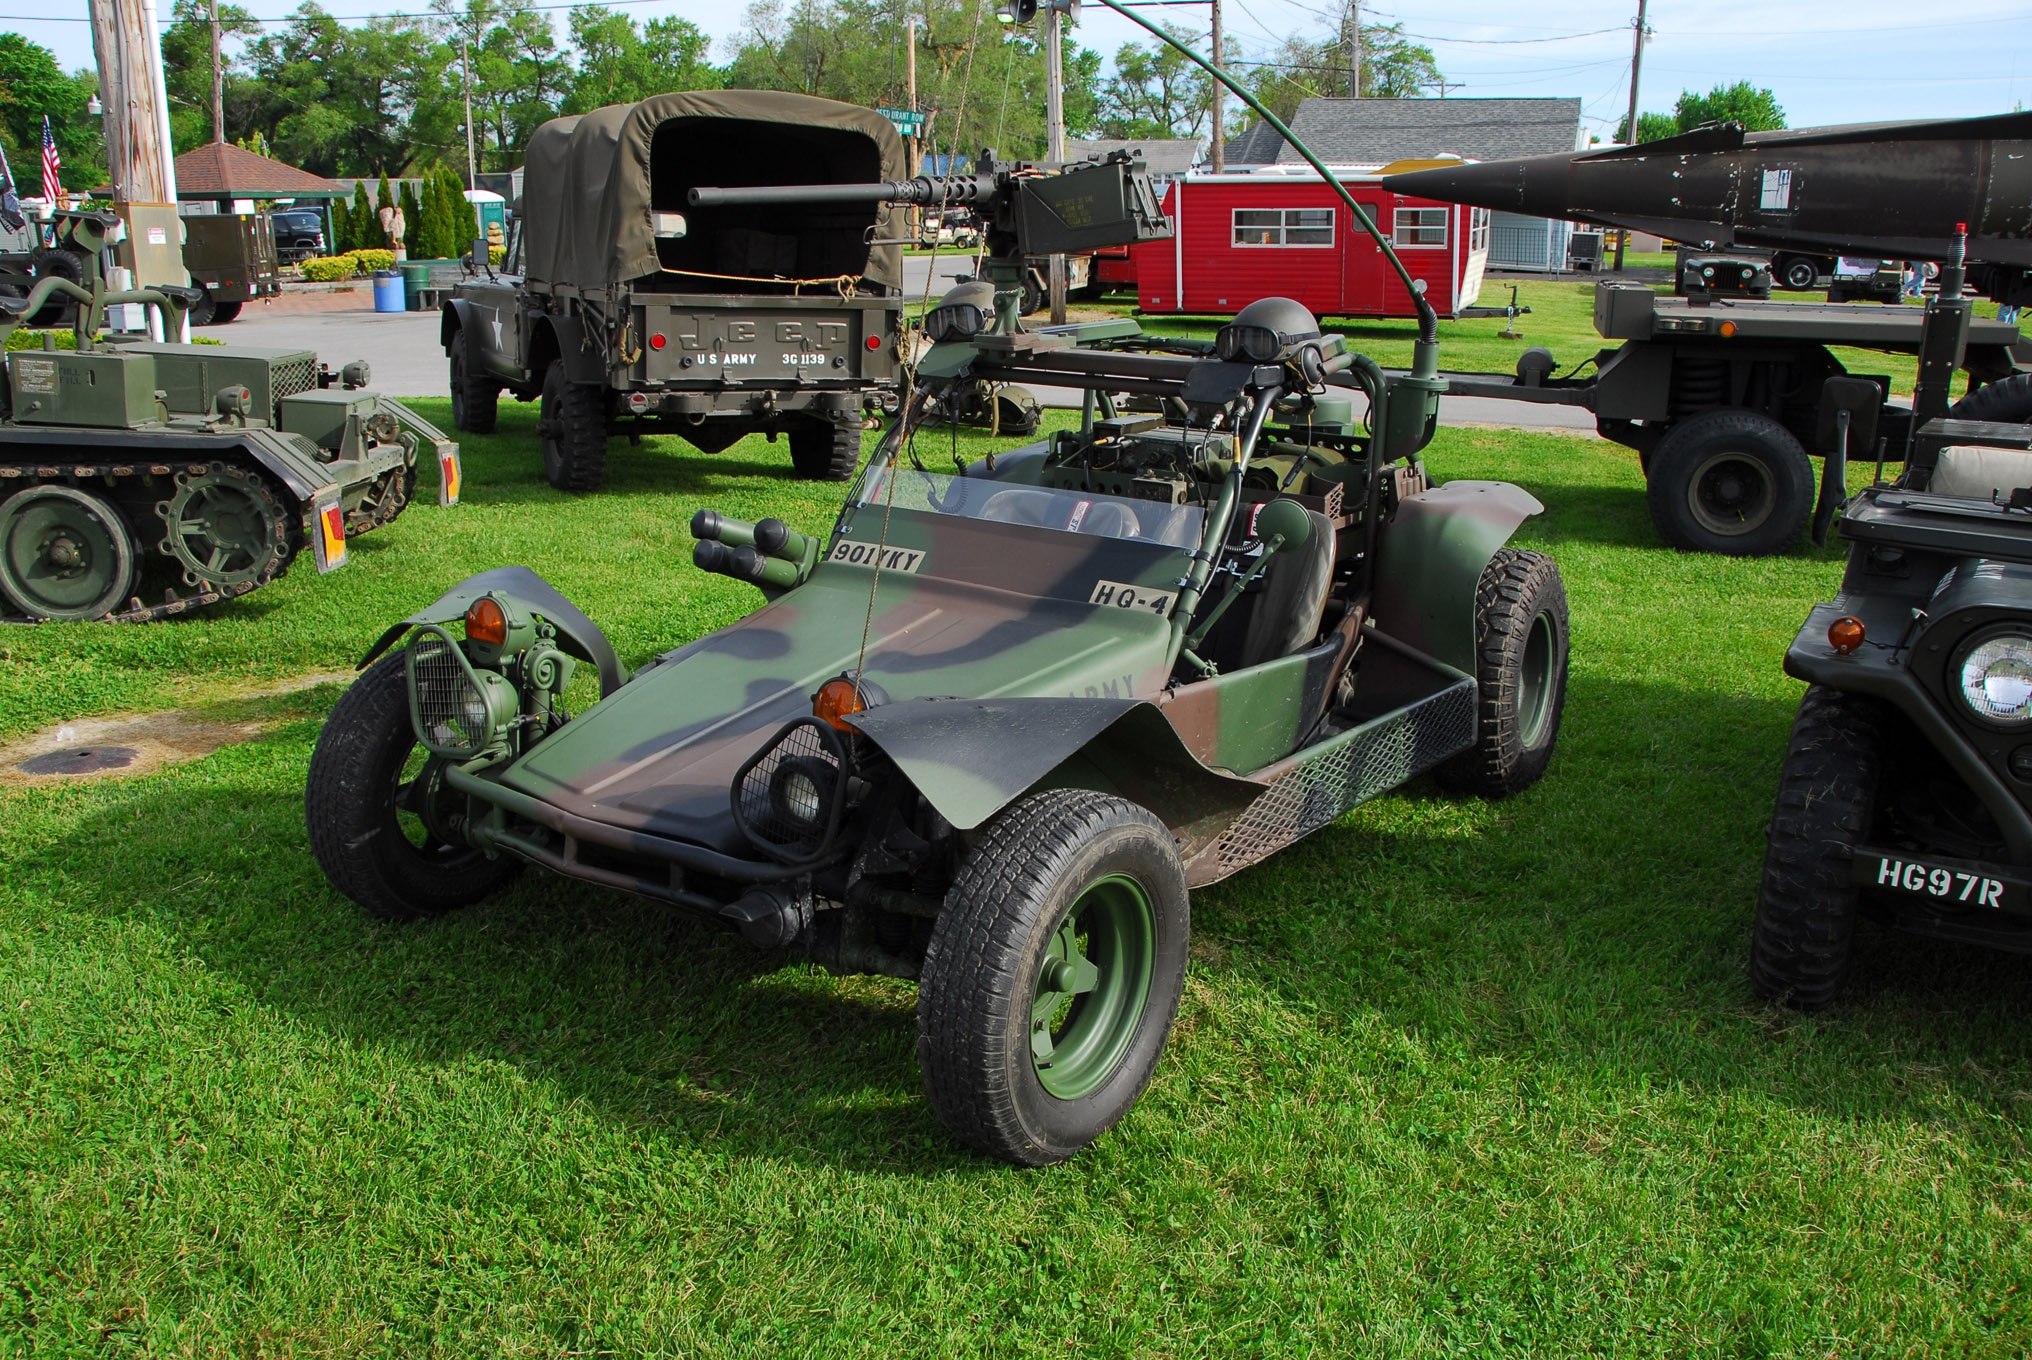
pixel 378 813
pixel 1053 975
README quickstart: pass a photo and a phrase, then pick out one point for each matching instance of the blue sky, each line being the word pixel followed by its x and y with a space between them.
pixel 1854 61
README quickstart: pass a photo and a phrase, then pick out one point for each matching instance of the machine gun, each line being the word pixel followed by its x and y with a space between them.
pixel 1024 209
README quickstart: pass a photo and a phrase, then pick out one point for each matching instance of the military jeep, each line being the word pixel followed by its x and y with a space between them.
pixel 624 310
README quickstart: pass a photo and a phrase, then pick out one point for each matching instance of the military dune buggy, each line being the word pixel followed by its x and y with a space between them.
pixel 623 309
pixel 991 730
pixel 1907 787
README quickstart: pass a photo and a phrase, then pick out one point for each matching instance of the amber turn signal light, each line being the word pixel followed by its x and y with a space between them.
pixel 835 699
pixel 1728 329
pixel 485 622
pixel 1845 634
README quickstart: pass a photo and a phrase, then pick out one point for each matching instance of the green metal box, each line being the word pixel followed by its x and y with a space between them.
pixel 192 375
pixel 106 388
pixel 320 415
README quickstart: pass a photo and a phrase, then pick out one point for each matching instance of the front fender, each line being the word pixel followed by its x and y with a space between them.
pixel 453 317
pixel 1431 558
pixel 971 758
pixel 577 635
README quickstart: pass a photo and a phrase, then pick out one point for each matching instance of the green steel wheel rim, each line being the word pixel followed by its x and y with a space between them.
pixel 1092 986
pixel 64 554
pixel 1534 689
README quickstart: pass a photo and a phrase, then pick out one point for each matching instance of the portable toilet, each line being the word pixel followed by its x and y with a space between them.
pixel 493 213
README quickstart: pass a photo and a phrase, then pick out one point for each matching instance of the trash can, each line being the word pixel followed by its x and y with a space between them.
pixel 387 291
pixel 415 278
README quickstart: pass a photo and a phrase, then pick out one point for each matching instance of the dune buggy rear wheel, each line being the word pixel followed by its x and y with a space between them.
pixel 1521 651
pixel 1053 975
pixel 825 450
pixel 379 817
pixel 1806 907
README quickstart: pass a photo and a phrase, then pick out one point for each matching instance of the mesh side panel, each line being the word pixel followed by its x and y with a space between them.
pixel 449 705
pixel 295 375
pixel 1350 769
pixel 800 772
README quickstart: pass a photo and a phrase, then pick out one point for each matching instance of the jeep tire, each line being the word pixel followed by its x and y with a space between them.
pixel 1806 906
pixel 1053 975
pixel 572 425
pixel 1730 481
pixel 1521 647
pixel 825 450
pixel 366 831
pixel 476 398
pixel 2007 401
pixel 1797 273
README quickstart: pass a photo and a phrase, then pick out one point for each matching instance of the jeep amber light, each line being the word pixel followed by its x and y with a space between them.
pixel 1996 679
pixel 1845 634
pixel 486 622
pixel 835 699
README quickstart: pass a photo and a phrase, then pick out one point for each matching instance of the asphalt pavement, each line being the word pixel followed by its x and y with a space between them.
pixel 408 362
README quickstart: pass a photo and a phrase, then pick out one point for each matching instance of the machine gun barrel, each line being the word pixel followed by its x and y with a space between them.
pixel 924 191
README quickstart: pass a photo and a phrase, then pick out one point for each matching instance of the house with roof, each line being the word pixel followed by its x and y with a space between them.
pixel 1370 133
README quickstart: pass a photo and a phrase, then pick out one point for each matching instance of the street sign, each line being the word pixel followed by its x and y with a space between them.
pixel 909 122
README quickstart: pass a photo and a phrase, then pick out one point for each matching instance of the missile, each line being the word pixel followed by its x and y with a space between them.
pixel 1895 191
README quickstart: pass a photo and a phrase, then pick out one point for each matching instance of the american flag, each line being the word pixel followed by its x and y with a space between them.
pixel 52 184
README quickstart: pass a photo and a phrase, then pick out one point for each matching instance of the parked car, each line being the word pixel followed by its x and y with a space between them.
pixel 299 233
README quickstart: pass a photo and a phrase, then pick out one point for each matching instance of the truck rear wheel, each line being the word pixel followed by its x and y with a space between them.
pixel 1053 975
pixel 1521 652
pixel 1806 908
pixel 572 421
pixel 49 262
pixel 372 805
pixel 226 312
pixel 476 398
pixel 825 450
pixel 1732 482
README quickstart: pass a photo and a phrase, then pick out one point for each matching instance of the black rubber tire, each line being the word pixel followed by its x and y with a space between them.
pixel 350 812
pixel 2009 400
pixel 1034 296
pixel 1520 625
pixel 476 398
pixel 225 313
pixel 824 450
pixel 1797 273
pixel 1780 478
pixel 1806 907
pixel 974 1000
pixel 53 262
pixel 572 427
pixel 206 309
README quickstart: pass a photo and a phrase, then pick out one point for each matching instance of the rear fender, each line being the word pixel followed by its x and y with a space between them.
pixel 1431 558
pixel 577 635
pixel 564 337
pixel 971 758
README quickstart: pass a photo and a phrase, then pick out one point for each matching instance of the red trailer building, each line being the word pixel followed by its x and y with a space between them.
pixel 1276 232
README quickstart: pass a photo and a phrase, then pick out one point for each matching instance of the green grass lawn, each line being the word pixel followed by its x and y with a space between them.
pixel 1448 1078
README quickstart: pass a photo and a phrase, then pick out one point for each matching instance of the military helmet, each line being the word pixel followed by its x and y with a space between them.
pixel 1267 331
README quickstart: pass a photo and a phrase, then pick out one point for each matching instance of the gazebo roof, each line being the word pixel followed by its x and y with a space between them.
pixel 222 170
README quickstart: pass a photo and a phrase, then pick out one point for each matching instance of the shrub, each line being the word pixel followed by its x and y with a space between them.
pixel 327 268
pixel 68 339
pixel 496 254
pixel 367 261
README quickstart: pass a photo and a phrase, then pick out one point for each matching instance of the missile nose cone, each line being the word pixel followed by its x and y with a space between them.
pixel 1487 184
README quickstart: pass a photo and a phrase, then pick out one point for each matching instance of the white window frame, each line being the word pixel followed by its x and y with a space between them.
pixel 1398 226
pixel 1478 229
pixel 1286 222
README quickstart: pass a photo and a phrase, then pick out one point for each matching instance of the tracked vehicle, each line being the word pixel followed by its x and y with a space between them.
pixel 991 729
pixel 140 480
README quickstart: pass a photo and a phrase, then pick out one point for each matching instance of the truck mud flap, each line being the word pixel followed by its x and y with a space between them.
pixel 1313 788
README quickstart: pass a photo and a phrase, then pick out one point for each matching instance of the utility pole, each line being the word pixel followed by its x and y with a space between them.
pixel 218 81
pixel 1355 49
pixel 1220 160
pixel 472 161
pixel 911 159
pixel 128 49
pixel 1054 129
pixel 1630 128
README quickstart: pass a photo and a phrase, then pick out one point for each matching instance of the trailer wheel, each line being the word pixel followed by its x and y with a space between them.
pixel 376 809
pixel 825 450
pixel 204 309
pixel 224 313
pixel 50 262
pixel 2008 400
pixel 1034 296
pixel 1053 975
pixel 1521 649
pixel 1732 482
pixel 1797 273
pixel 475 397
pixel 573 428
pixel 1806 908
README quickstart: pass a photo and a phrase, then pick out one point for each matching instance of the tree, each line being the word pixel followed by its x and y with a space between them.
pixel 1393 67
pixel 343 101
pixel 363 233
pixel 384 197
pixel 618 65
pixel 32 85
pixel 1756 110
pixel 1155 92
pixel 412 218
pixel 187 72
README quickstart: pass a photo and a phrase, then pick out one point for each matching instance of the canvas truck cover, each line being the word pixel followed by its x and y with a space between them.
pixel 593 180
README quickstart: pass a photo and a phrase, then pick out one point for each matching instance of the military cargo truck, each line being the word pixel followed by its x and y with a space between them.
pixel 231 258
pixel 140 480
pixel 624 310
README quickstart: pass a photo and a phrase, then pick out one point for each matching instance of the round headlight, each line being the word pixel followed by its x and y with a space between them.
pixel 1996 679
pixel 798 791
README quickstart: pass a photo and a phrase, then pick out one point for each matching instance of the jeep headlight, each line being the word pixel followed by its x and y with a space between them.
pixel 1996 679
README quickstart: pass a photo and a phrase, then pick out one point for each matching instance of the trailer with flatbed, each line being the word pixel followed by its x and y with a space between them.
pixel 1720 399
